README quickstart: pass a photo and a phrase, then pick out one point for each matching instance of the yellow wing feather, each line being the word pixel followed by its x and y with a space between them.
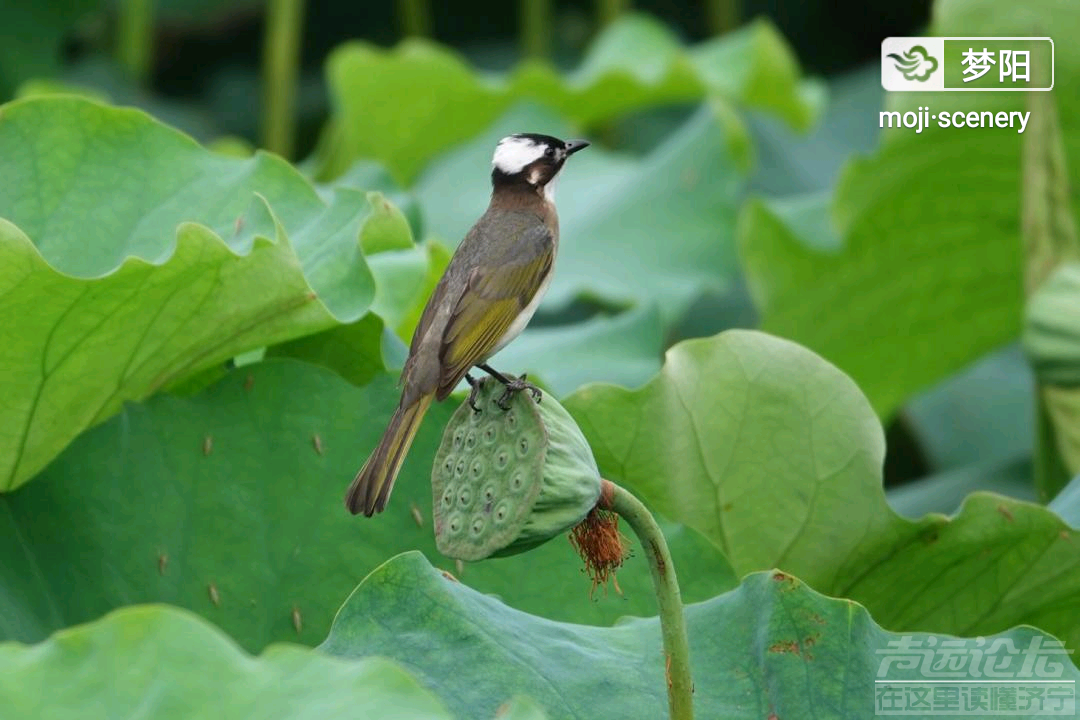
pixel 492 299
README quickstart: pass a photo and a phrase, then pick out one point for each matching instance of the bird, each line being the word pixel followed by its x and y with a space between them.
pixel 484 299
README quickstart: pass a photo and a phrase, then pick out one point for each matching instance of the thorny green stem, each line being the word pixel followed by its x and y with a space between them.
pixel 281 61
pixel 535 27
pixel 415 17
pixel 668 598
pixel 135 37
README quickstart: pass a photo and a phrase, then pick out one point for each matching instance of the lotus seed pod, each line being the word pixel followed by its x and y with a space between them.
pixel 505 481
pixel 1052 327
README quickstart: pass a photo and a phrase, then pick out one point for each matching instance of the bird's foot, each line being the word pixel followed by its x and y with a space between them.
pixel 474 390
pixel 516 385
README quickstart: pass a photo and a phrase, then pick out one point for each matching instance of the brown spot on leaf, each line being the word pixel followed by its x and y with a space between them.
pixel 787 580
pixel 1005 512
pixel 808 642
pixel 297 620
pixel 207 445
pixel 449 577
pixel 212 591
pixel 316 441
pixel 785 646
pixel 249 381
pixel 417 516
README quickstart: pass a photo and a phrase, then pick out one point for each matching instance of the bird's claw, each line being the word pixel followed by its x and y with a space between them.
pixel 474 390
pixel 515 386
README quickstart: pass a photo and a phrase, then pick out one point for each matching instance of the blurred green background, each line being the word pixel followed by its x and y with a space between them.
pixel 202 64
pixel 191 421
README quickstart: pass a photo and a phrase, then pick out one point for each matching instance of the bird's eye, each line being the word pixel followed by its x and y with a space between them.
pixel 550 152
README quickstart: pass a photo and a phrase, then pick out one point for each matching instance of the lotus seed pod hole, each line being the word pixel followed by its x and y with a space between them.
pixel 458 436
pixel 502 511
pixel 455 523
pixel 517 479
pixel 476 470
pixel 491 434
pixel 470 440
pixel 459 469
pixel 448 497
pixel 448 467
pixel 522 446
pixel 477 525
pixel 510 420
pixel 489 493
pixel 465 496
pixel 502 457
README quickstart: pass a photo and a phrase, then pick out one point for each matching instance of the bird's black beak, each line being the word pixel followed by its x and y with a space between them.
pixel 572 146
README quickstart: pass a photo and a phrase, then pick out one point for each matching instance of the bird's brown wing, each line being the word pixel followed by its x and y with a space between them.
pixel 492 298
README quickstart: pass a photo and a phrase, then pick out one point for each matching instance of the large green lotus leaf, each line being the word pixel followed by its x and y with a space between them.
pixel 355 350
pixel 635 63
pixel 131 258
pixel 773 647
pixel 241 487
pixel 774 454
pixel 631 231
pixel 928 275
pixel 167 664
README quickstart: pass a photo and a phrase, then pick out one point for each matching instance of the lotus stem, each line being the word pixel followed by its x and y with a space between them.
pixel 281 61
pixel 135 39
pixel 415 17
pixel 668 598
pixel 609 10
pixel 722 15
pixel 535 27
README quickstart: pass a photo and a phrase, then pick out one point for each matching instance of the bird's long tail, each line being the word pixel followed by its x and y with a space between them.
pixel 371 488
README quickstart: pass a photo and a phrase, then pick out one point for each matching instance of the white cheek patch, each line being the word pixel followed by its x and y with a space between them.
pixel 512 154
